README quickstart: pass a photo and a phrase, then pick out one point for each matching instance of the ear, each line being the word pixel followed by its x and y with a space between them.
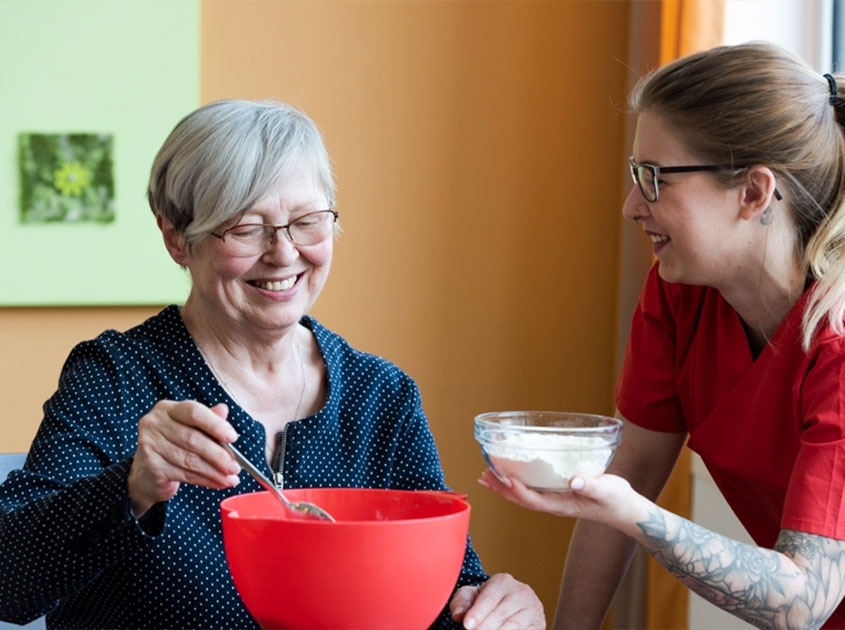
pixel 758 191
pixel 174 240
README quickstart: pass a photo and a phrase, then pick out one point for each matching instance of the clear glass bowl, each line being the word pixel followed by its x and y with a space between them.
pixel 544 449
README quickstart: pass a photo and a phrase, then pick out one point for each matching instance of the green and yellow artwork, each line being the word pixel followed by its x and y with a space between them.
pixel 66 177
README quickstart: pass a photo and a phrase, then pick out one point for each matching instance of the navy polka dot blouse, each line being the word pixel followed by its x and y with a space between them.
pixel 69 544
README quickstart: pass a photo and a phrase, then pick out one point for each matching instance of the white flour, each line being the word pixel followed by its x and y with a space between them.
pixel 547 462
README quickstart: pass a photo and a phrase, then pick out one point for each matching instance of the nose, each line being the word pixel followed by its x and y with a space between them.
pixel 281 248
pixel 635 206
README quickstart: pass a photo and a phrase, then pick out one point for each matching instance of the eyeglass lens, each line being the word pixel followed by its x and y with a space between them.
pixel 251 238
pixel 645 177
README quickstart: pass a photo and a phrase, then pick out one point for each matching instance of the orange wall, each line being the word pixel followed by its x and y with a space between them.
pixel 34 343
pixel 478 148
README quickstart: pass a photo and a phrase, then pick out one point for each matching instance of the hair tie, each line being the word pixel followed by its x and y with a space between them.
pixel 834 90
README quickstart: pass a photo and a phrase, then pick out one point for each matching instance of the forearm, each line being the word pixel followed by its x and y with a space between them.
pixel 780 588
pixel 598 558
pixel 54 545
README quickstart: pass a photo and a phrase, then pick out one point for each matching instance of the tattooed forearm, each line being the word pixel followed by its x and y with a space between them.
pixel 796 585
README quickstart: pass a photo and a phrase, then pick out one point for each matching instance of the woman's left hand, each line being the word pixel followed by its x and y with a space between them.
pixel 501 602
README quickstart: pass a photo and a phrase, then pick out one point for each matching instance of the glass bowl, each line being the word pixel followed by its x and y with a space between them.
pixel 544 449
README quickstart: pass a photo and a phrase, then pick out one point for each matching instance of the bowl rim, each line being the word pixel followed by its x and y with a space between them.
pixel 608 445
pixel 489 420
pixel 456 500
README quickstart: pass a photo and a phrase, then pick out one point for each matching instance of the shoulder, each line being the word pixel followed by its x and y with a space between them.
pixel 344 360
pixel 163 333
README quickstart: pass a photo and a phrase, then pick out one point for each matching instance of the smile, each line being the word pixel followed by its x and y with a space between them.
pixel 276 285
pixel 658 238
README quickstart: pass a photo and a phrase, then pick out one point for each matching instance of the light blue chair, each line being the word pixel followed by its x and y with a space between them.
pixel 8 463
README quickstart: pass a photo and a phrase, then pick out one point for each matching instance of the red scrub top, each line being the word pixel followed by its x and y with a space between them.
pixel 770 430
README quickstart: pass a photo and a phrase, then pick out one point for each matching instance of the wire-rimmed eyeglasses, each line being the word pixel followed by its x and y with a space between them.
pixel 250 239
pixel 646 175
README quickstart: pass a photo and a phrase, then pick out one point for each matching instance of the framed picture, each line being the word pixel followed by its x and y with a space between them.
pixel 66 177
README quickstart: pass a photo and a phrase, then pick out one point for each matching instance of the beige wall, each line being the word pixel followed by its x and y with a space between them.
pixel 479 150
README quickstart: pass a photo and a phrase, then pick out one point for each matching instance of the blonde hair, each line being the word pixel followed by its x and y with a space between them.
pixel 757 104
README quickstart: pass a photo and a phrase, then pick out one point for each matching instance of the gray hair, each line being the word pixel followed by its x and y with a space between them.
pixel 220 159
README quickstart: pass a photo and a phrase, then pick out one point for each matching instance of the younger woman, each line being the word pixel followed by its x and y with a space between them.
pixel 736 347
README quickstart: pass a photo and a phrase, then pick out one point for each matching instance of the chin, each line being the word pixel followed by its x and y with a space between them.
pixel 668 274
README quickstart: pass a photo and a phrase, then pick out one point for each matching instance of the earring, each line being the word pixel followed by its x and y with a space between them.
pixel 767 217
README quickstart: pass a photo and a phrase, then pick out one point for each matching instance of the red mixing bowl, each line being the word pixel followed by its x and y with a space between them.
pixel 390 561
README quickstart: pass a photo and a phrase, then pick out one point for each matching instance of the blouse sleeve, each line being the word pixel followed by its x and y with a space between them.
pixel 66 516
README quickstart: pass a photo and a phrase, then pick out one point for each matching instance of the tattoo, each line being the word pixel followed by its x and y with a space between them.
pixel 798 584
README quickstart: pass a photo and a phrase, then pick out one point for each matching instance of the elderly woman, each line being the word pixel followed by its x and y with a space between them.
pixel 115 521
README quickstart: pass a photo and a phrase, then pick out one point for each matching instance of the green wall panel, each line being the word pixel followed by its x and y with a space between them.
pixel 124 68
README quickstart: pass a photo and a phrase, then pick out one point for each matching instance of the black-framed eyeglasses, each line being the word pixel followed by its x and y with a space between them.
pixel 251 239
pixel 646 176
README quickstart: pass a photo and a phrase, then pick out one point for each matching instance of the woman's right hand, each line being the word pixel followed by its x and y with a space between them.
pixel 607 498
pixel 634 479
pixel 180 442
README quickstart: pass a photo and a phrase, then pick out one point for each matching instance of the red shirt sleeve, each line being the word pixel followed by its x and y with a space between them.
pixel 815 498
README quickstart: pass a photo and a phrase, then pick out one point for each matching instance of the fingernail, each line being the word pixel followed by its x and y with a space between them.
pixel 469 623
pixel 576 483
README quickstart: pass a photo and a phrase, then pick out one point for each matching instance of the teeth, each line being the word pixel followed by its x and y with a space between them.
pixel 277 285
pixel 658 238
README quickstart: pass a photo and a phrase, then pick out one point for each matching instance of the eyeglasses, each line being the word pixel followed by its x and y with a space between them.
pixel 250 239
pixel 646 175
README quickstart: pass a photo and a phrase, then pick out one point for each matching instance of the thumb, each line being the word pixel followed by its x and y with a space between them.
pixel 221 409
pixel 462 601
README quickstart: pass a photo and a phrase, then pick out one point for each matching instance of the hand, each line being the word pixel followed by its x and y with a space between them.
pixel 179 442
pixel 501 602
pixel 607 498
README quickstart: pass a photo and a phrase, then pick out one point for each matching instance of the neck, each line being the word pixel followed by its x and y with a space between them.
pixel 764 304
pixel 270 383
pixel 227 341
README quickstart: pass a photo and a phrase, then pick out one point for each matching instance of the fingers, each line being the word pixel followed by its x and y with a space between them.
pixel 180 442
pixel 565 503
pixel 605 498
pixel 577 483
pixel 461 601
pixel 188 417
pixel 512 489
pixel 501 602
pixel 186 436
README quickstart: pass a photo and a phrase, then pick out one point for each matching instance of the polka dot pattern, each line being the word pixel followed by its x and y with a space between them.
pixel 70 545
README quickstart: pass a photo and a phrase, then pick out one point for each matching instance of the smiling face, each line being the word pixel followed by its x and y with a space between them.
pixel 696 228
pixel 269 292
